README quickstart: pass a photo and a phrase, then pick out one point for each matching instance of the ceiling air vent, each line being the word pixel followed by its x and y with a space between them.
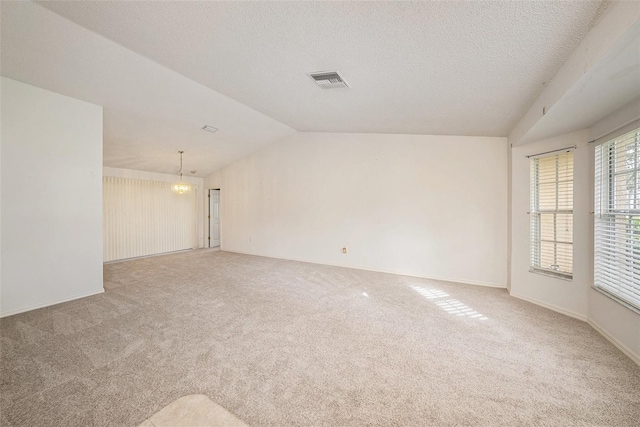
pixel 328 79
pixel 209 128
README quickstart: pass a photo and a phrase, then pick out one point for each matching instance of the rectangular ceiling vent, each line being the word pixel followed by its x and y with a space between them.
pixel 209 128
pixel 328 79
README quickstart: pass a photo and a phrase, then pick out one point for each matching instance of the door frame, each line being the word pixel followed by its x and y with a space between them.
pixel 209 217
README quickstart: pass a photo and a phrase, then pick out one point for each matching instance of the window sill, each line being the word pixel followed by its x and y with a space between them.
pixel 551 274
pixel 618 300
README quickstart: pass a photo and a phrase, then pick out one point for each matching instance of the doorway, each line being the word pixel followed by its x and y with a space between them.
pixel 214 218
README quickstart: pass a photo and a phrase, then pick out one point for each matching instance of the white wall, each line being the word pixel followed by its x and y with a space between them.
pixel 576 298
pixel 51 198
pixel 198 183
pixel 569 297
pixel 1 102
pixel 429 206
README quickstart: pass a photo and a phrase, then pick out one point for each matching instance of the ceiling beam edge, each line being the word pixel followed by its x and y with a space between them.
pixel 595 45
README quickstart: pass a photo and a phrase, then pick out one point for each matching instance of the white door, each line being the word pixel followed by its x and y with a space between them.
pixel 214 218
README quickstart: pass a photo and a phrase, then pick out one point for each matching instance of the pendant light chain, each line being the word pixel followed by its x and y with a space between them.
pixel 180 171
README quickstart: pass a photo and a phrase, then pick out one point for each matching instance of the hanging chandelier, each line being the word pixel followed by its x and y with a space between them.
pixel 181 187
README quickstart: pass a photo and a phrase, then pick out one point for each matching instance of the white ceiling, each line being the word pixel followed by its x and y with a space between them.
pixel 457 68
pixel 461 68
pixel 150 112
pixel 613 82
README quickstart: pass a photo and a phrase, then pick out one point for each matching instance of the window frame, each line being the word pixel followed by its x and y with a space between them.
pixel 607 212
pixel 535 217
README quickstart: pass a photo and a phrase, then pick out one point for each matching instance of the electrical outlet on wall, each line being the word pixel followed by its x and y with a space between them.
pixel 344 250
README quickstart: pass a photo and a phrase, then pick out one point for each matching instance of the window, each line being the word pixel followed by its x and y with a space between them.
pixel 617 218
pixel 551 214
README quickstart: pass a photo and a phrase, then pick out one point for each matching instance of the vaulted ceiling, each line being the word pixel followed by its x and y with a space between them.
pixel 164 69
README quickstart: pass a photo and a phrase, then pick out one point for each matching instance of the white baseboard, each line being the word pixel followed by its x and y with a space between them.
pixel 623 348
pixel 47 304
pixel 550 307
pixel 113 261
pixel 444 279
pixel 463 281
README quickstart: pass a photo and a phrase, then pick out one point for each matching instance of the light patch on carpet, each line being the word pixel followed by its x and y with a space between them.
pixel 451 306
pixel 195 410
pixel 430 293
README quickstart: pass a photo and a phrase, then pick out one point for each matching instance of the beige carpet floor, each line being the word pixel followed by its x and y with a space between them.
pixel 281 343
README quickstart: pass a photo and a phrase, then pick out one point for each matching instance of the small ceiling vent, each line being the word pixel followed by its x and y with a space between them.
pixel 209 128
pixel 328 79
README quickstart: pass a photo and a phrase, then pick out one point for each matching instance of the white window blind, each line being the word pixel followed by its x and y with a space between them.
pixel 145 217
pixel 551 214
pixel 617 218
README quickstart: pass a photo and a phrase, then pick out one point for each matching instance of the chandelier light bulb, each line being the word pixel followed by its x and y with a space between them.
pixel 181 187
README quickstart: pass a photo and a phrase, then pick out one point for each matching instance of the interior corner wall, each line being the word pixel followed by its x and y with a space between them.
pixel 51 198
pixel 509 214
pixel 427 206
pixel 1 81
pixel 566 296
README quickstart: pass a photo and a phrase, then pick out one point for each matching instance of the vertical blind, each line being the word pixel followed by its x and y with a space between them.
pixel 551 214
pixel 617 218
pixel 145 218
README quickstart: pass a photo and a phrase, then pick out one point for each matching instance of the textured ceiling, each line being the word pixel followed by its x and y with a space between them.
pixel 603 88
pixel 150 112
pixel 461 68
